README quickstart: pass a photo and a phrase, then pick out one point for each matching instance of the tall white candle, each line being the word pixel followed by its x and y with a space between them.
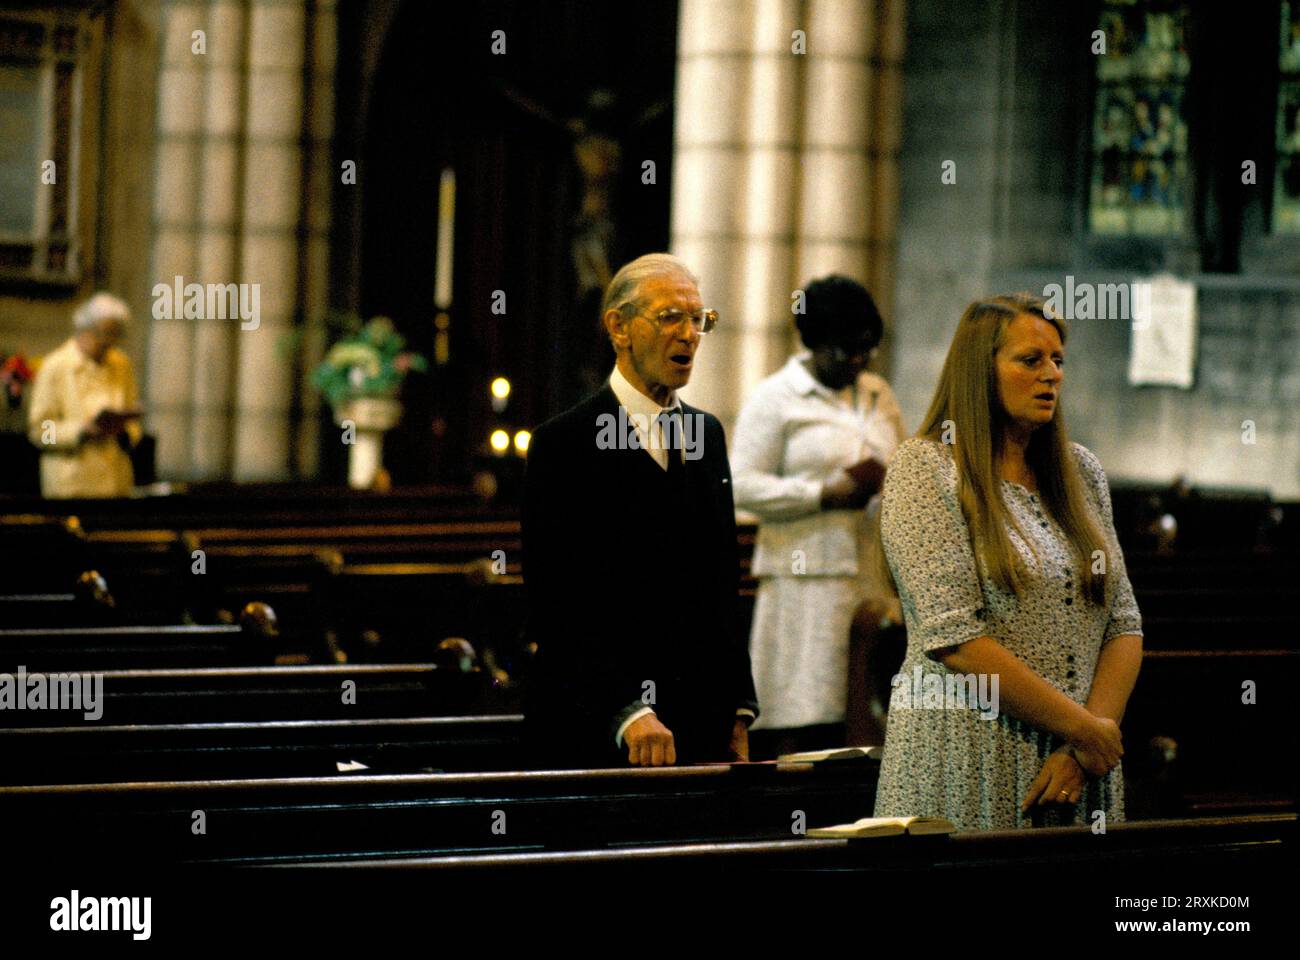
pixel 446 236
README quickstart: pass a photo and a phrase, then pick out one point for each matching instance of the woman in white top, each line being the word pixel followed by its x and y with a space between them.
pixel 810 449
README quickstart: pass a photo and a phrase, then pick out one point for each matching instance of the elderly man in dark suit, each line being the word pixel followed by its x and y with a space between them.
pixel 630 554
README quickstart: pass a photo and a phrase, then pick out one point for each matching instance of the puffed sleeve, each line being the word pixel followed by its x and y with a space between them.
pixel 756 459
pixel 1125 618
pixel 927 544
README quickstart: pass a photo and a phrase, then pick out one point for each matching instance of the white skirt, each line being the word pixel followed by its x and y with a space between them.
pixel 799 648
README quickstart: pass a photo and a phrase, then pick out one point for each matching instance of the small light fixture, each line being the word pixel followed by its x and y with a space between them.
pixel 500 390
pixel 500 441
pixel 522 438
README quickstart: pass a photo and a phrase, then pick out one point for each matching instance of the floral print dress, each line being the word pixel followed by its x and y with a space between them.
pixel 975 766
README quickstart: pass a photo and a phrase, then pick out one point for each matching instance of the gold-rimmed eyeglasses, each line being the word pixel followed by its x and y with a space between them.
pixel 702 320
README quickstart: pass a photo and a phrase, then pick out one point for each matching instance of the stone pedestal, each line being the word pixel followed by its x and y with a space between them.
pixel 370 418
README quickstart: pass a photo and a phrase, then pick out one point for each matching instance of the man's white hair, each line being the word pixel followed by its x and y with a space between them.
pixel 102 306
pixel 625 285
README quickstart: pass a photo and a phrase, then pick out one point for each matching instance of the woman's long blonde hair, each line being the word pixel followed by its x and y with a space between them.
pixel 967 415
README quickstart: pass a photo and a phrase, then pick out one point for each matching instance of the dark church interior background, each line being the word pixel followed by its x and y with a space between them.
pixel 473 173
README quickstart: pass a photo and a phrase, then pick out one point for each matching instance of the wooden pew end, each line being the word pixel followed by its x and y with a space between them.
pixel 92 590
pixel 260 620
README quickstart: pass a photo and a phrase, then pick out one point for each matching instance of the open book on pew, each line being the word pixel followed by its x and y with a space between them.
pixel 886 827
pixel 841 753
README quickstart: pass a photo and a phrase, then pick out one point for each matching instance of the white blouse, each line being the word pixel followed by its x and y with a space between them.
pixel 793 435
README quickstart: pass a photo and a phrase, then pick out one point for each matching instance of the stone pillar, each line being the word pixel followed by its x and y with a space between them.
pixel 243 197
pixel 784 168
pixel 218 224
pixel 172 346
pixel 269 255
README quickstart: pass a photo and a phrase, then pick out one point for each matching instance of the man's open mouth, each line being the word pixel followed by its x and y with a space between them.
pixel 681 359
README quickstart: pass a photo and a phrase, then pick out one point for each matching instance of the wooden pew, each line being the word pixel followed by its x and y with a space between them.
pixel 252 641
pixel 37 551
pixel 1213 619
pixel 100 753
pixel 399 611
pixel 1225 749
pixel 448 541
pixel 210 504
pixel 87 602
pixel 316 692
pixel 299 570
pixel 1258 844
pixel 150 574
pixel 252 821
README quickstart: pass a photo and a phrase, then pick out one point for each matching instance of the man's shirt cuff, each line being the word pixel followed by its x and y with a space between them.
pixel 630 719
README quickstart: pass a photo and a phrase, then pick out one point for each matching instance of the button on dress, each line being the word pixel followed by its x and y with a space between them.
pixel 955 763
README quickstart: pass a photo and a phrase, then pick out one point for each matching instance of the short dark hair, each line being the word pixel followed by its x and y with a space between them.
pixel 838 310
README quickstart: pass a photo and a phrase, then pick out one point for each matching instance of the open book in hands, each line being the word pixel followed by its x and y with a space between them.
pixel 109 422
pixel 886 827
pixel 839 753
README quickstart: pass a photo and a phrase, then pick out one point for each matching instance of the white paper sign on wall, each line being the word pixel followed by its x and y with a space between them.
pixel 1163 349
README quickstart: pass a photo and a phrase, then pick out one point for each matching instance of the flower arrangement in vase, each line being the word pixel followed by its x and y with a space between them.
pixel 361 377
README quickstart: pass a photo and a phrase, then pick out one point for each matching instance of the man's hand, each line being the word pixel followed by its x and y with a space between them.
pixel 649 743
pixel 1060 781
pixel 740 741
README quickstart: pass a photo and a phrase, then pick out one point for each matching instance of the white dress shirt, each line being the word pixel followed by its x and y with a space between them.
pixel 644 412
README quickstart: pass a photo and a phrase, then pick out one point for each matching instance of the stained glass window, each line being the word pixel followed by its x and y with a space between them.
pixel 1139 134
pixel 1286 191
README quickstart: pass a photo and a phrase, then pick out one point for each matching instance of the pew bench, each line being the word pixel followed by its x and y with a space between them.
pixel 273 820
pixel 108 753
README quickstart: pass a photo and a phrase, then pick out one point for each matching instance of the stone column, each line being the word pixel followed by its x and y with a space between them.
pixel 218 225
pixel 784 168
pixel 243 194
pixel 269 255
pixel 171 340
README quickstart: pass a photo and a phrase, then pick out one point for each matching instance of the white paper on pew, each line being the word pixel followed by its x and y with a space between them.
pixel 350 767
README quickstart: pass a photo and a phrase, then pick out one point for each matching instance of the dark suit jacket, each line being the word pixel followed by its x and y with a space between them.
pixel 630 580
